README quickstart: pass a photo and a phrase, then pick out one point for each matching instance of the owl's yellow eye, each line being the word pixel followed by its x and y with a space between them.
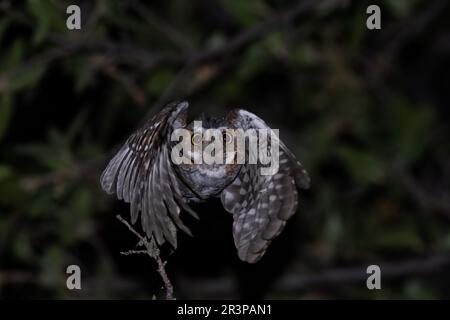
pixel 196 139
pixel 228 137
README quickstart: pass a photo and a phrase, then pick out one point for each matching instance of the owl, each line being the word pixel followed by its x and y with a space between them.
pixel 143 174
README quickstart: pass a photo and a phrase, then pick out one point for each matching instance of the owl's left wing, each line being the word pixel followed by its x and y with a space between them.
pixel 261 204
pixel 142 174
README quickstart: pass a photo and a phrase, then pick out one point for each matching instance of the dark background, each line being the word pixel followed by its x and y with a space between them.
pixel 365 111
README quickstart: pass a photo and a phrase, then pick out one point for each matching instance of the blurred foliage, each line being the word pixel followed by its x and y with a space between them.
pixel 365 111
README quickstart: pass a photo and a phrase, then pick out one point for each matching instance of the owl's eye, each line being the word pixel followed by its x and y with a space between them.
pixel 196 139
pixel 227 137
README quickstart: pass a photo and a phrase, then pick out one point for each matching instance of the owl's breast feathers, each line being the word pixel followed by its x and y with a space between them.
pixel 207 181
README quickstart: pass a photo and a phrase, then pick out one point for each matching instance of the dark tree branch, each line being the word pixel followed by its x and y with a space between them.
pixel 431 200
pixel 249 36
pixel 152 251
pixel 160 25
pixel 412 29
pixel 389 270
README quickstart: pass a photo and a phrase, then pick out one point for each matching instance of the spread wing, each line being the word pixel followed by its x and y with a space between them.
pixel 261 204
pixel 142 174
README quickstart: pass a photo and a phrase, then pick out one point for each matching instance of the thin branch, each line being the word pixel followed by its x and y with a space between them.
pixel 75 171
pixel 152 250
pixel 427 199
pixel 141 238
pixel 130 252
pixel 414 27
pixel 389 270
pixel 249 36
pixel 133 90
pixel 162 27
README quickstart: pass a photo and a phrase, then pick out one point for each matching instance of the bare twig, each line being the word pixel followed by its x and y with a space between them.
pixel 160 25
pixel 427 199
pixel 133 90
pixel 249 36
pixel 152 250
pixel 130 252
pixel 412 29
pixel 77 170
pixel 389 270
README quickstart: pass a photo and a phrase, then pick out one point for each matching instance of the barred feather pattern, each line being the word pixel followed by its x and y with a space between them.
pixel 142 174
pixel 261 204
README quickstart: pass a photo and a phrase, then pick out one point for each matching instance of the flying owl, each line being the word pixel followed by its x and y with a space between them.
pixel 143 174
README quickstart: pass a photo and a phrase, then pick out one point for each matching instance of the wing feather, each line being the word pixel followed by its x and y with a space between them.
pixel 261 204
pixel 142 174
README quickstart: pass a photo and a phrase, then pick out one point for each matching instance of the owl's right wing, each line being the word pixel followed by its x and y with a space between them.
pixel 142 174
pixel 261 204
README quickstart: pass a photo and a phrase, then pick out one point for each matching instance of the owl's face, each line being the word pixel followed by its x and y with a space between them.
pixel 209 178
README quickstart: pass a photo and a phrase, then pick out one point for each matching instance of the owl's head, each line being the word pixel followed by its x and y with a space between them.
pixel 211 168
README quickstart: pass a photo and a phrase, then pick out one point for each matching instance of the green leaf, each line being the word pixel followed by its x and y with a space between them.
pixel 22 247
pixel 411 129
pixel 48 17
pixel 84 77
pixel 5 172
pixel 363 166
pixel 13 55
pixel 4 24
pixel 306 55
pixel 253 62
pixel 26 78
pixel 414 289
pixel 401 8
pixel 81 203
pixel 159 81
pixel 5 114
pixel 75 223
pixel 399 238
pixel 11 191
pixel 42 205
pixel 334 228
pixel 246 12
pixel 77 125
pixel 39 10
pixel 51 264
pixel 54 155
